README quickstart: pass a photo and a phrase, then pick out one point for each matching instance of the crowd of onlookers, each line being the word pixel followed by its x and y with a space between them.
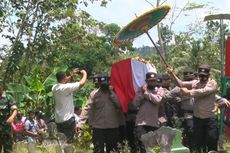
pixel 33 127
pixel 29 128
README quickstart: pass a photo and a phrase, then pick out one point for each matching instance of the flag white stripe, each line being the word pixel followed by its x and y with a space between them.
pixel 139 70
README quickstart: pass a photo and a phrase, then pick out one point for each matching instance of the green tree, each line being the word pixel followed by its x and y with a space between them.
pixel 31 27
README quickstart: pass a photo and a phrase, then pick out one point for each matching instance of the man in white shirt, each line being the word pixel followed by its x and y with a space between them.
pixel 64 106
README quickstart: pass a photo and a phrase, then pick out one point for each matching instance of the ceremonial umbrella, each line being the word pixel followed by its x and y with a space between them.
pixel 142 24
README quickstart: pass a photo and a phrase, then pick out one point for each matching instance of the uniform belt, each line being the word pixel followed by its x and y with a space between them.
pixel 132 112
pixel 187 111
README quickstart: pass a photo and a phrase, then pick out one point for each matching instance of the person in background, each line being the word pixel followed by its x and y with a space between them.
pixel 184 110
pixel 64 107
pixel 18 127
pixel 131 135
pixel 41 123
pixel 32 131
pixel 186 105
pixel 166 82
pixel 8 112
pixel 42 126
pixel 122 127
pixel 170 105
pixel 77 113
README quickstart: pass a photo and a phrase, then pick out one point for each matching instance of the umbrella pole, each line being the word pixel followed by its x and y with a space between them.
pixel 158 51
pixel 162 58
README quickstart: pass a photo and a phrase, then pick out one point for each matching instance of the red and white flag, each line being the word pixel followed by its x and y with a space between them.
pixel 127 77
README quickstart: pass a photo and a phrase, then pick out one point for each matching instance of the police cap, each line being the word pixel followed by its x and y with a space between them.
pixel 151 76
pixel 204 69
pixel 188 70
pixel 101 78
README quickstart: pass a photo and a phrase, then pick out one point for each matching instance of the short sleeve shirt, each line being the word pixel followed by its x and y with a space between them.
pixel 32 126
pixel 63 95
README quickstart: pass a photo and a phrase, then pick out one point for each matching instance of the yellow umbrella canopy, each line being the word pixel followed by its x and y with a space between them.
pixel 141 24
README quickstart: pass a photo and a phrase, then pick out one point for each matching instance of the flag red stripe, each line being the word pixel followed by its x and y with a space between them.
pixel 121 80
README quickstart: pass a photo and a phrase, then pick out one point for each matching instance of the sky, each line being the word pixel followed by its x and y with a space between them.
pixel 122 12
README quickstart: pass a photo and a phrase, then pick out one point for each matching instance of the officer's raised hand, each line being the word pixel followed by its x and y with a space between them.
pixel 184 91
pixel 170 70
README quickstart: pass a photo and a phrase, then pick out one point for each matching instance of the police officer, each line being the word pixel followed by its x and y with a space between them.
pixel 203 90
pixel 102 112
pixel 179 109
pixel 148 104
pixel 171 105
pixel 189 74
pixel 8 111
pixel 187 103
pixel 166 82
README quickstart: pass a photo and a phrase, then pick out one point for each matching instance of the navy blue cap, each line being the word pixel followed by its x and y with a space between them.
pixel 204 69
pixel 151 76
pixel 188 70
pixel 101 78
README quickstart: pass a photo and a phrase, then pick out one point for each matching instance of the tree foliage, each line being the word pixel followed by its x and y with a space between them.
pixel 40 32
pixel 42 35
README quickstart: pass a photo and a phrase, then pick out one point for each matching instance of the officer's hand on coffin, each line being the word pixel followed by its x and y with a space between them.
pixel 144 88
pixel 111 88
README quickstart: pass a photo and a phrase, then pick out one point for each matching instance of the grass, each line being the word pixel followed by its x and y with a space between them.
pixel 22 148
pixel 227 147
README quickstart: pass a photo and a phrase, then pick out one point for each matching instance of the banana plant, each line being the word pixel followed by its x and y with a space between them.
pixel 20 92
pixel 35 93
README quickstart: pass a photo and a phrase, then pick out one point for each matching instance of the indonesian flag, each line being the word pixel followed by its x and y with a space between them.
pixel 127 77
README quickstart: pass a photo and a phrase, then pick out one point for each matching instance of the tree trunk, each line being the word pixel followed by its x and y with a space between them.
pixel 161 42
